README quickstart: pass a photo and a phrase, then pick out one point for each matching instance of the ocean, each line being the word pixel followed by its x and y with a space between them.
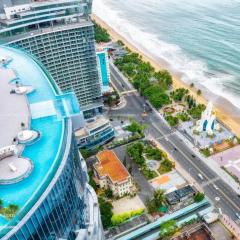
pixel 197 40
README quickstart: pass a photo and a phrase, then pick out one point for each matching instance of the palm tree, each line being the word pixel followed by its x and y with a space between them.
pixel 159 197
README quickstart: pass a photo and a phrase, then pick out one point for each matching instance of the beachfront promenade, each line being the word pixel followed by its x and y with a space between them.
pixel 183 153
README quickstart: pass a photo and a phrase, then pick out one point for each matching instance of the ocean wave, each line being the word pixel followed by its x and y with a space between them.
pixel 170 55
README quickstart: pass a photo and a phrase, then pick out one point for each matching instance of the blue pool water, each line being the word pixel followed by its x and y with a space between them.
pixel 44 152
pixel 103 68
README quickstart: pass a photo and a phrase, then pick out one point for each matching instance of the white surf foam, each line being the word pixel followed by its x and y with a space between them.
pixel 191 70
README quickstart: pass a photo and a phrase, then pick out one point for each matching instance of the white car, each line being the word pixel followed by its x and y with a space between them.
pixel 237 215
pixel 200 176
pixel 216 187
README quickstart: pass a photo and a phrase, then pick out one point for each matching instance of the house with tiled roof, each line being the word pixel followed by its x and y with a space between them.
pixel 111 173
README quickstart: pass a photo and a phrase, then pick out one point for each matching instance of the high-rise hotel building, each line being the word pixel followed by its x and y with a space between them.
pixel 60 34
pixel 44 190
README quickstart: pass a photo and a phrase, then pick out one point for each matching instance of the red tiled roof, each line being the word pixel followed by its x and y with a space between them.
pixel 110 165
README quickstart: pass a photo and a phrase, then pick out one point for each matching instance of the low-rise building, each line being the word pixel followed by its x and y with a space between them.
pixel 96 132
pixel 111 173
pixel 179 195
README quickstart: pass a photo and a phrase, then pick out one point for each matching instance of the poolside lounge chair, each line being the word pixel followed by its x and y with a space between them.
pixel 12 167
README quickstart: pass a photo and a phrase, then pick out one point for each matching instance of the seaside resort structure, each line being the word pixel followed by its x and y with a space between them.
pixel 60 34
pixel 44 187
pixel 111 174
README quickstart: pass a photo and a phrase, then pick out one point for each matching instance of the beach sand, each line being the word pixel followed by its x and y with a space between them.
pixel 225 111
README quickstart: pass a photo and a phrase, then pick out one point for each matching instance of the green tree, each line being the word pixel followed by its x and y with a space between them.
pixel 135 151
pixel 156 202
pixel 159 197
pixel 198 197
pixel 1 203
pixel 199 92
pixel 153 153
pixel 173 121
pixel 91 180
pixel 101 34
pixel 156 96
pixel 192 85
pixel 136 127
pixel 108 193
pixel 167 229
pixel 106 212
pixel 179 94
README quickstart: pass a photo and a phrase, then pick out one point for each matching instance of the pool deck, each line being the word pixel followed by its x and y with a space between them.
pixel 13 109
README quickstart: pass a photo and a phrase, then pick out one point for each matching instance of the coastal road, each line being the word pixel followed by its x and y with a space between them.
pixel 229 201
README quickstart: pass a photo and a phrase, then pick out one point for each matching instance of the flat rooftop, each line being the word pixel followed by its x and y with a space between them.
pixel 109 165
pixel 92 124
pixel 40 111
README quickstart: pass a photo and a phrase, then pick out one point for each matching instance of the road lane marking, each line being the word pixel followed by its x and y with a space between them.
pixel 187 158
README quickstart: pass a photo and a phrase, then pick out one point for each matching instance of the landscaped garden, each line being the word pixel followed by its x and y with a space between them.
pixel 111 99
pixel 142 153
pixel 176 105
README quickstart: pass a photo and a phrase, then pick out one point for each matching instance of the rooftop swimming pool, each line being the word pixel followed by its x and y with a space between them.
pixel 103 68
pixel 46 152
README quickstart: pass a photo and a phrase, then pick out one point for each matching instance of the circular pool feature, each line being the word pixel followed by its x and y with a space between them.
pixel 27 136
pixel 153 164
pixel 14 169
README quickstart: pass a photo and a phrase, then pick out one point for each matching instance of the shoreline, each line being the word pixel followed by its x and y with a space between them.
pixel 225 111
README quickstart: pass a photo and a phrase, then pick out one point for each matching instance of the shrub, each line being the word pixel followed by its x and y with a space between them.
pixel 198 197
pixel 118 219
pixel 149 174
pixel 168 228
pixel 206 152
pixel 172 121
pixel 183 117
pixel 10 211
pixel 166 166
pixel 196 111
